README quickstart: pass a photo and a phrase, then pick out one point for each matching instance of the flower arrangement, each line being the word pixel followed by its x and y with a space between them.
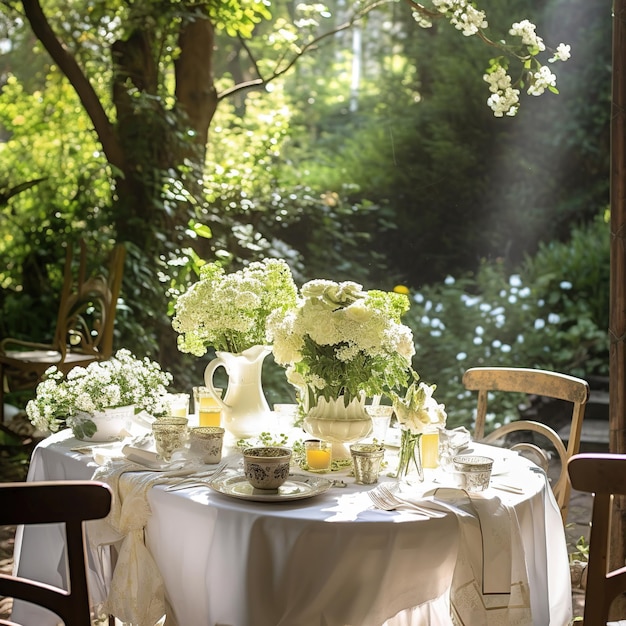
pixel 120 381
pixel 229 311
pixel 416 411
pixel 342 340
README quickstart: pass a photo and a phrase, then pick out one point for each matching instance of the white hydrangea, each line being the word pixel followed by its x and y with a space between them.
pixel 343 340
pixel 229 311
pixel 122 380
pixel 526 31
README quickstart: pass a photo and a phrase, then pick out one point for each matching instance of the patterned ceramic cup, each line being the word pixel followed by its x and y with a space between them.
pixel 266 467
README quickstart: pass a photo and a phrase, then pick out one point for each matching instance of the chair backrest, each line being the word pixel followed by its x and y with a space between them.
pixel 537 383
pixel 88 306
pixel 69 502
pixel 604 475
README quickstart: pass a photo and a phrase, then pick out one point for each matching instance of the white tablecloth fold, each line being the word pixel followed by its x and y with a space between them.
pixel 137 592
pixel 490 585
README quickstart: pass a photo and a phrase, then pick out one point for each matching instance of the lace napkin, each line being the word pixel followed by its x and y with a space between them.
pixel 490 585
pixel 137 592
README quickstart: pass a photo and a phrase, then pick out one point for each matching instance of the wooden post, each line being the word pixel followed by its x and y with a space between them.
pixel 617 320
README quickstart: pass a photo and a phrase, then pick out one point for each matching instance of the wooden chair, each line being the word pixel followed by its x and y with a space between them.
pixel 69 502
pixel 539 383
pixel 604 475
pixel 84 329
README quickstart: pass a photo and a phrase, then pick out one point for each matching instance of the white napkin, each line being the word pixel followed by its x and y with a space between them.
pixel 147 458
pixel 137 592
pixel 490 585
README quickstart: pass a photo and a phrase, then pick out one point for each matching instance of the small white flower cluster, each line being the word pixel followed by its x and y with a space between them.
pixel 540 81
pixel 229 311
pixel 562 53
pixel 422 20
pixel 504 98
pixel 122 380
pixel 526 30
pixel 462 15
pixel 341 339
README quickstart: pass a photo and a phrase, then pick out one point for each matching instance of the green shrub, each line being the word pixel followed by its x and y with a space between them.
pixel 551 314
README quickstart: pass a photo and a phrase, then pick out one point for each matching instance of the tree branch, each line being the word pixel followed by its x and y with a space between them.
pixel 311 45
pixel 68 65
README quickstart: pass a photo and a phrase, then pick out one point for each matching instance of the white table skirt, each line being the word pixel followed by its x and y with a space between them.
pixel 331 560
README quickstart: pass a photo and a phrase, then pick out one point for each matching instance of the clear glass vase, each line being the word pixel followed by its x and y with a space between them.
pixel 410 466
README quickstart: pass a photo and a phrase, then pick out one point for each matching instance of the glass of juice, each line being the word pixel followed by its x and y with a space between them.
pixel 318 455
pixel 207 409
pixel 179 404
pixel 430 447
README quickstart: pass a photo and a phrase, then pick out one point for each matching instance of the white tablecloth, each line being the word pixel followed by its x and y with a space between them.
pixel 332 560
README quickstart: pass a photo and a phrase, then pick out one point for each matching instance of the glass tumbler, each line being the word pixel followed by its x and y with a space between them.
pixel 170 434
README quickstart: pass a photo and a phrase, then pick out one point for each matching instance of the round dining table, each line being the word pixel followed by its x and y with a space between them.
pixel 332 558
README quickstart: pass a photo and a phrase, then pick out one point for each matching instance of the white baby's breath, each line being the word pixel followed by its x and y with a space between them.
pixel 123 380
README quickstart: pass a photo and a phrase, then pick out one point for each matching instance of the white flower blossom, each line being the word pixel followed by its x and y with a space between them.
pixel 526 31
pixel 229 311
pixel 350 339
pixel 122 380
pixel 562 53
pixel 418 409
pixel 504 99
pixel 422 20
pixel 462 15
pixel 540 81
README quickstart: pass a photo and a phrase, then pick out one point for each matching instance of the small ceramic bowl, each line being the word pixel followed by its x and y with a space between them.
pixel 266 467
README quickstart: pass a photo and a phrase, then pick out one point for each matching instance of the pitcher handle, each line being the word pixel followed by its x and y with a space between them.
pixel 208 380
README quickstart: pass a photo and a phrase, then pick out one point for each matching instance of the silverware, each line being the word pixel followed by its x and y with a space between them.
pixel 383 498
pixel 506 487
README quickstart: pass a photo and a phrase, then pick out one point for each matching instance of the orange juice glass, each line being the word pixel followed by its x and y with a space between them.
pixel 430 448
pixel 318 455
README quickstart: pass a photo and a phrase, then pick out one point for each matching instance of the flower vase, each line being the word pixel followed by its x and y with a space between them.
pixel 245 412
pixel 410 469
pixel 110 424
pixel 334 421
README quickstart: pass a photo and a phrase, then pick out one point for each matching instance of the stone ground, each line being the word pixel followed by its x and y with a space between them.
pixel 577 526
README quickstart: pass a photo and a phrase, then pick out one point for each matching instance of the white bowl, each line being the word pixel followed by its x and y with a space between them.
pixel 338 430
pixel 110 424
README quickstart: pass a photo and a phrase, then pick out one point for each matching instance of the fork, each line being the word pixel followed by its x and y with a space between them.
pixel 384 498
pixel 380 501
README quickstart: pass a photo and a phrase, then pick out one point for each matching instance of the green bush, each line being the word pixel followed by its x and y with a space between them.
pixel 551 314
